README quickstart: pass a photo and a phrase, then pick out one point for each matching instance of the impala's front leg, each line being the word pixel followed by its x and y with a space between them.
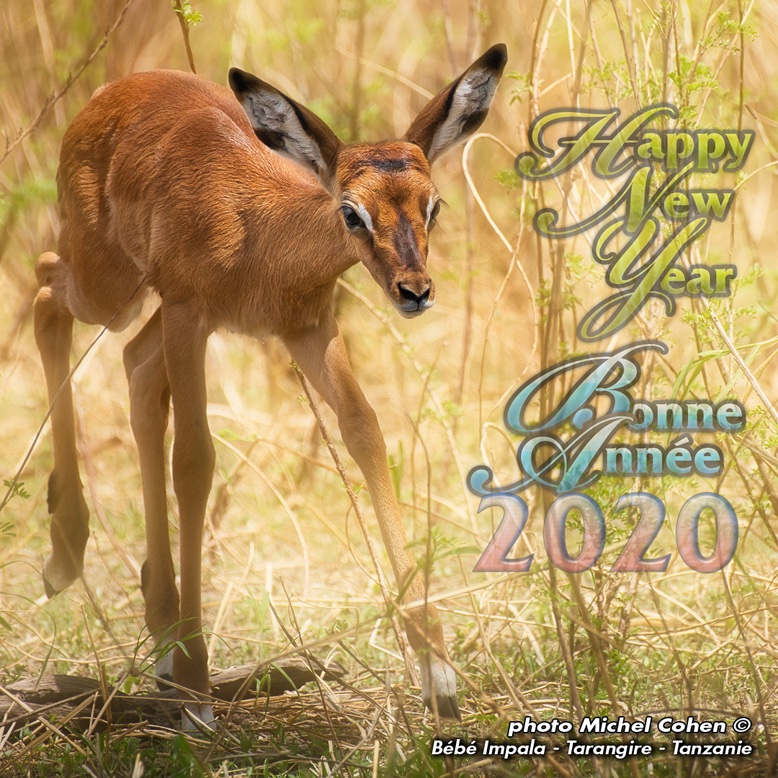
pixel 321 355
pixel 144 362
pixel 184 335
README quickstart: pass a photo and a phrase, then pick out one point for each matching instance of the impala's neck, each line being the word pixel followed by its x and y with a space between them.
pixel 292 248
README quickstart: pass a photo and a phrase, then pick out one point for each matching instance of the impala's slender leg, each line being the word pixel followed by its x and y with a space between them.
pixel 144 362
pixel 184 337
pixel 70 519
pixel 321 355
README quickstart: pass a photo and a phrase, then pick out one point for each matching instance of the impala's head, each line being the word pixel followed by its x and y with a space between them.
pixel 388 202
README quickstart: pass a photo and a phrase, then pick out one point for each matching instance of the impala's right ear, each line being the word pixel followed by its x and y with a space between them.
pixel 284 125
pixel 460 109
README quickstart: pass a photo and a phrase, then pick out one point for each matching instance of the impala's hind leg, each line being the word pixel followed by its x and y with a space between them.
pixel 144 362
pixel 70 517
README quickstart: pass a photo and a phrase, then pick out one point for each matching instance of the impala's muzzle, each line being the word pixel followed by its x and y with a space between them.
pixel 415 296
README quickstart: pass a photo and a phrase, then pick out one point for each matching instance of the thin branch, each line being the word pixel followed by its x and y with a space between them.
pixel 357 510
pixel 52 99
pixel 184 23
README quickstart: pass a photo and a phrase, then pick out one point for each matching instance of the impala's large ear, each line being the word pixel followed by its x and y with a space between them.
pixel 284 125
pixel 460 109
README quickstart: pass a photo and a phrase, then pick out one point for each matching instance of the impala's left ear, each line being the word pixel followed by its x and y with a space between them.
pixel 460 109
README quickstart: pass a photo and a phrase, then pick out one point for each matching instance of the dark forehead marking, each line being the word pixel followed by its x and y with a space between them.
pixel 392 157
pixel 390 164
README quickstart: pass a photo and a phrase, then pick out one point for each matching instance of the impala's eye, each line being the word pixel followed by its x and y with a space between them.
pixel 352 218
pixel 434 212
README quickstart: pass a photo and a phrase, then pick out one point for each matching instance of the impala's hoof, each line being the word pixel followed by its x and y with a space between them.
pixel 55 579
pixel 448 707
pixel 439 688
pixel 48 588
pixel 197 717
pixel 163 671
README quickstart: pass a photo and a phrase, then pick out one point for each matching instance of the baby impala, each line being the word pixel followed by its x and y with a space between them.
pixel 239 214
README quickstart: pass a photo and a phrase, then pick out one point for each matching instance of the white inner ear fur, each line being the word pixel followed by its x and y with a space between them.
pixel 269 111
pixel 473 94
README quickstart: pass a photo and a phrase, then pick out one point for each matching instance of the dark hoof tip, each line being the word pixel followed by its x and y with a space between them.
pixel 448 707
pixel 164 682
pixel 49 589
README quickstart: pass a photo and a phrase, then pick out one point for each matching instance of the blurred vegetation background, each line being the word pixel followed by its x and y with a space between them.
pixel 285 556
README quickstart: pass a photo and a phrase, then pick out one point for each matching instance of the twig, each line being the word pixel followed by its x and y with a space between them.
pixel 355 504
pixel 184 23
pixel 72 78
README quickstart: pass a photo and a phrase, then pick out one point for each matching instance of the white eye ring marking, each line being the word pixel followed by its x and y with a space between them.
pixel 365 216
pixel 430 207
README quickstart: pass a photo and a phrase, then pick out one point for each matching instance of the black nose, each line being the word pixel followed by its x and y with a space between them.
pixel 412 297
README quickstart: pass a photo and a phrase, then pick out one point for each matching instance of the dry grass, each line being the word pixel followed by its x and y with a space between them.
pixel 286 564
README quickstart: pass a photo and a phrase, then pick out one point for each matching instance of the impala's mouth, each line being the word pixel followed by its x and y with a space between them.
pixel 412 309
